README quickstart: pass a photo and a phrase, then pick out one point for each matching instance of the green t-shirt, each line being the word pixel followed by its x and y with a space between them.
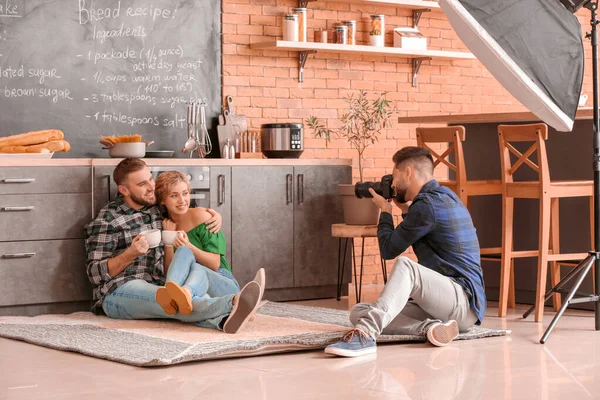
pixel 210 242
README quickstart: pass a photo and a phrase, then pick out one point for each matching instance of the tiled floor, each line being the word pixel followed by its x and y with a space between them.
pixel 513 367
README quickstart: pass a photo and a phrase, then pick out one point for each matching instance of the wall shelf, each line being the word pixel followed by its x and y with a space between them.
pixel 410 4
pixel 305 48
pixel 418 7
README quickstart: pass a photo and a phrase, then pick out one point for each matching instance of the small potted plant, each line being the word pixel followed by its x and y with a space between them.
pixel 361 127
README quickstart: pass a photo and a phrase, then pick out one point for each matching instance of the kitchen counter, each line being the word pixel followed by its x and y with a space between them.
pixel 583 113
pixel 58 162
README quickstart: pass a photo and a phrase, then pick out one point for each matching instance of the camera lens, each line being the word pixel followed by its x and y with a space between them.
pixel 361 189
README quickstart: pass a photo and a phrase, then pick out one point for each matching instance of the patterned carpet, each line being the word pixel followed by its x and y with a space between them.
pixel 277 328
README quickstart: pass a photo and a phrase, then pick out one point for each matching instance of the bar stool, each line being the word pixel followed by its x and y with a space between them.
pixel 454 136
pixel 549 192
pixel 347 232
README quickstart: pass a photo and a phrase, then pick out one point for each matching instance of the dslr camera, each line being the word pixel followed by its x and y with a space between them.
pixel 383 188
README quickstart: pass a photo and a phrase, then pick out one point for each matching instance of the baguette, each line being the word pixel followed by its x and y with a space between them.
pixel 32 138
pixel 48 147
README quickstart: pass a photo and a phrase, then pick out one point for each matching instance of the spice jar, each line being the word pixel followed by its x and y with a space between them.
pixel 290 27
pixel 340 34
pixel 320 36
pixel 377 32
pixel 302 23
pixel 351 31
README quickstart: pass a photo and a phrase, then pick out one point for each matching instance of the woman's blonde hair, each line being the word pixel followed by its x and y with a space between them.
pixel 165 183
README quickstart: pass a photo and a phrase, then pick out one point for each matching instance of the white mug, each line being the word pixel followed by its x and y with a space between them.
pixel 168 237
pixel 582 100
pixel 152 237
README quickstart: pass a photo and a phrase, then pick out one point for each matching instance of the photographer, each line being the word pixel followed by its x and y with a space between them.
pixel 440 295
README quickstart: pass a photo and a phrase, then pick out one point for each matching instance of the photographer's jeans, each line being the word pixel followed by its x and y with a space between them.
pixel 137 299
pixel 436 298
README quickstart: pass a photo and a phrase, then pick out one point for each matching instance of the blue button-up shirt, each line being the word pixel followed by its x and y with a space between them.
pixel 439 228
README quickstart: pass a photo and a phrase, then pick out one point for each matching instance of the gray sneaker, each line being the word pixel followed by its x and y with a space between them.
pixel 248 300
pixel 442 334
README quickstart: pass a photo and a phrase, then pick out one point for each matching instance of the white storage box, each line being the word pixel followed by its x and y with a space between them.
pixel 409 38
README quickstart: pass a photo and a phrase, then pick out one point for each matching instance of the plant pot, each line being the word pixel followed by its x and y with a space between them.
pixel 358 211
pixel 377 40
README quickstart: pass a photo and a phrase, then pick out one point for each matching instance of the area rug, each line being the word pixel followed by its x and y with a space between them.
pixel 277 328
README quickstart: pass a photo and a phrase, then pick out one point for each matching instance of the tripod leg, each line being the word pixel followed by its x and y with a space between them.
pixel 560 285
pixel 588 265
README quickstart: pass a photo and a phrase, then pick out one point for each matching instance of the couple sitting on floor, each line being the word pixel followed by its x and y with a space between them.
pixel 189 281
pixel 440 296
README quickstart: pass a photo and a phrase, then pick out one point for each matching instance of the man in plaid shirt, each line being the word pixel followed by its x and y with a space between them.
pixel 440 295
pixel 126 273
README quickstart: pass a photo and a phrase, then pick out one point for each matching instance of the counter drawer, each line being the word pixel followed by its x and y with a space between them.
pixel 50 216
pixel 39 272
pixel 27 180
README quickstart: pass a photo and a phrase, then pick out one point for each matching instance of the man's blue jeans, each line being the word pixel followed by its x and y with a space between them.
pixel 212 294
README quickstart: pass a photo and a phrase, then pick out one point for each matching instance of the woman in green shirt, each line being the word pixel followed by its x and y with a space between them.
pixel 173 191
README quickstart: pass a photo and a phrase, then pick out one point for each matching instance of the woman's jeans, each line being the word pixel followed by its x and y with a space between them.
pixel 212 293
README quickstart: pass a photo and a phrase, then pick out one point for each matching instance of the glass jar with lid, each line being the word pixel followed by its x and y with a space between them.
pixel 302 23
pixel 340 34
pixel 351 31
pixel 377 31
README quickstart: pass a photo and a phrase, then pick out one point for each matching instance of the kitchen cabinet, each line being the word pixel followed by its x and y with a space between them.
pixel 275 216
pixel 262 216
pixel 283 224
pixel 43 212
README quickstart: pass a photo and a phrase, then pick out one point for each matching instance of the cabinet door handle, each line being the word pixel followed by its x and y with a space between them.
pixel 300 188
pixel 221 189
pixel 18 180
pixel 26 208
pixel 289 189
pixel 18 255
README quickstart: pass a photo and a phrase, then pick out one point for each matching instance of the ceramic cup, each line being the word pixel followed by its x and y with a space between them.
pixel 153 237
pixel 168 237
pixel 582 100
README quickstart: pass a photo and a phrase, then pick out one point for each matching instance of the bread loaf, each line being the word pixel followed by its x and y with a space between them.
pixel 48 147
pixel 32 138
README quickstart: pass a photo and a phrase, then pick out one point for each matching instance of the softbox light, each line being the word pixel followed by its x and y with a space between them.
pixel 534 49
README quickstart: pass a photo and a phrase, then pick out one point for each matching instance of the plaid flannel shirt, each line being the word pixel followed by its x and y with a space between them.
pixel 111 233
pixel 439 228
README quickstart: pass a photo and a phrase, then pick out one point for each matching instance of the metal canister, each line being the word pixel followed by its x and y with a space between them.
pixel 340 34
pixel 290 27
pixel 351 31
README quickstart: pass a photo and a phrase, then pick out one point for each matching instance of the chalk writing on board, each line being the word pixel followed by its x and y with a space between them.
pixel 108 67
pixel 9 9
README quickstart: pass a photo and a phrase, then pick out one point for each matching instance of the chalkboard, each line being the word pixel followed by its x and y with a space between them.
pixel 92 68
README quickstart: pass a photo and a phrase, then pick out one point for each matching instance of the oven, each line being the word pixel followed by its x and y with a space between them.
pixel 199 176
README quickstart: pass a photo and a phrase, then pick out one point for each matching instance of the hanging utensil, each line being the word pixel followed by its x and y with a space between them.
pixel 230 105
pixel 205 143
pixel 190 143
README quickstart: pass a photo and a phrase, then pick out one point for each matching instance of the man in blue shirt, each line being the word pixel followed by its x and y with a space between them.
pixel 440 295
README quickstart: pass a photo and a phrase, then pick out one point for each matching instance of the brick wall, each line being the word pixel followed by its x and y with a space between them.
pixel 265 83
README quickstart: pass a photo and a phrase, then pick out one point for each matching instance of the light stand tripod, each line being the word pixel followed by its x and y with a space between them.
pixel 582 270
